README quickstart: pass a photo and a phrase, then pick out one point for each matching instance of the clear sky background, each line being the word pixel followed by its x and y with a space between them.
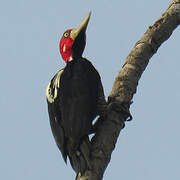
pixel 148 148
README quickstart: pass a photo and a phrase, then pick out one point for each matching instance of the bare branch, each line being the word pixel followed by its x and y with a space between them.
pixel 103 142
pixel 126 83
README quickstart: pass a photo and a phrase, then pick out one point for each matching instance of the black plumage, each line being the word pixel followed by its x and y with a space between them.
pixel 79 94
pixel 75 97
pixel 77 104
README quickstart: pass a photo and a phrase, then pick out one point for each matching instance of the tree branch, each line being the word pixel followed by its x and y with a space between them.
pixel 103 142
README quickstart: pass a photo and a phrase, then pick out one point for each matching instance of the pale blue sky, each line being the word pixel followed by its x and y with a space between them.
pixel 148 147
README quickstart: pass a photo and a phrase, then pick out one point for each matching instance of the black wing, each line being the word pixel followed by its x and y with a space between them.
pixel 79 87
pixel 54 110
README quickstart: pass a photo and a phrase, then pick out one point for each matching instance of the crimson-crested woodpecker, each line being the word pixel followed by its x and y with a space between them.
pixel 75 97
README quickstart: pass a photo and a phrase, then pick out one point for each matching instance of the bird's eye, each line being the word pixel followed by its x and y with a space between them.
pixel 66 34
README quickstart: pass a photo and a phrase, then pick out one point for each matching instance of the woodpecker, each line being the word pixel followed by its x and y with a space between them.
pixel 75 97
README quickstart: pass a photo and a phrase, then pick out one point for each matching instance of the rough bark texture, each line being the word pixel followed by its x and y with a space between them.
pixel 103 142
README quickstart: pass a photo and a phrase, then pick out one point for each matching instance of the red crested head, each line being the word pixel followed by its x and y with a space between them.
pixel 65 46
pixel 73 41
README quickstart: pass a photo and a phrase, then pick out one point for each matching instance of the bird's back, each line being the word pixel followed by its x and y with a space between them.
pixel 79 94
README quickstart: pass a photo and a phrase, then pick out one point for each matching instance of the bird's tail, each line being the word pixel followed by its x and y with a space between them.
pixel 80 156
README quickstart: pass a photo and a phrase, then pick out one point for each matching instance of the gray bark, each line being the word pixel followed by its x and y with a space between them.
pixel 103 142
